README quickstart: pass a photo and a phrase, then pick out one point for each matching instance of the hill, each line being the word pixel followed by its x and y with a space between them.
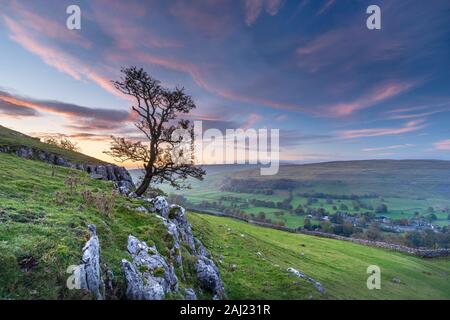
pixel 14 140
pixel 412 178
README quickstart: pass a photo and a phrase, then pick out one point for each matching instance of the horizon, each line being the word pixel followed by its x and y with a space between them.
pixel 335 90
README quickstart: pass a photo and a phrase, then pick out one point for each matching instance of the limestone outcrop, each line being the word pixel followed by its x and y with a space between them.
pixel 148 276
pixel 109 172
pixel 90 277
pixel 178 226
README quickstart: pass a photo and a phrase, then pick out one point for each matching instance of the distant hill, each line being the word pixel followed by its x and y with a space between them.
pixel 14 139
pixel 413 178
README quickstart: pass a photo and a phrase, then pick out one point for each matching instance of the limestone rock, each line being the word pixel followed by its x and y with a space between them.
pixel 161 206
pixel 209 278
pixel 141 209
pixel 148 276
pixel 25 152
pixel 136 289
pixel 90 275
pixel 316 283
pixel 190 294
pixel 178 226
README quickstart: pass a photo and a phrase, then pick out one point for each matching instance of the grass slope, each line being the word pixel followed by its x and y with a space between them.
pixel 340 266
pixel 16 139
pixel 43 229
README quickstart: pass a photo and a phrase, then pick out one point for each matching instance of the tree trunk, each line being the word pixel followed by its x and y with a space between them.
pixel 145 184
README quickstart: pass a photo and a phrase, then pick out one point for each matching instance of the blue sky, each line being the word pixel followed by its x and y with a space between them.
pixel 336 90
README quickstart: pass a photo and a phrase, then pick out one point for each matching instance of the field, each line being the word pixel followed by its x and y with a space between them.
pixel 340 266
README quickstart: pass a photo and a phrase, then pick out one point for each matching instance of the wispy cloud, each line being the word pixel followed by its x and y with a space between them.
pixel 384 92
pixel 327 5
pixel 376 132
pixel 55 57
pixel 398 146
pixel 418 111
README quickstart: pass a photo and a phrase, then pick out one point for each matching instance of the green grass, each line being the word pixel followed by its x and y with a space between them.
pixel 14 139
pixel 52 229
pixel 340 266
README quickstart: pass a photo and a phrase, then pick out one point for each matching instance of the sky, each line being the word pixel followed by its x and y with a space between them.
pixel 310 68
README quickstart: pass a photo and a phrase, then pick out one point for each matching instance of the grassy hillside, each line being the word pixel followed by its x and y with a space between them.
pixel 16 139
pixel 340 266
pixel 43 229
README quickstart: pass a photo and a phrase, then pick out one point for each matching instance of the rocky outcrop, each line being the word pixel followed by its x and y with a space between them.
pixel 89 269
pixel 190 294
pixel 178 226
pixel 209 278
pixel 316 283
pixel 104 172
pixel 148 276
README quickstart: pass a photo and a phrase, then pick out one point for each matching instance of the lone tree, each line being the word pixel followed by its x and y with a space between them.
pixel 162 151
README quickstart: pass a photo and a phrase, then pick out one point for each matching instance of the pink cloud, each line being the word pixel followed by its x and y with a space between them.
pixel 442 145
pixel 50 56
pixel 126 33
pixel 331 50
pixel 199 75
pixel 49 28
pixel 213 18
pixel 55 57
pixel 251 120
pixel 376 132
pixel 254 8
pixel 380 94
